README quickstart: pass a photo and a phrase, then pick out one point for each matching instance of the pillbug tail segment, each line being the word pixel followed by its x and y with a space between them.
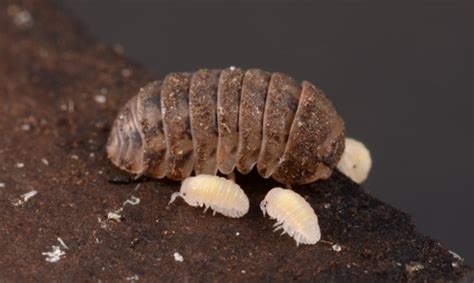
pixel 125 143
pixel 174 196
pixel 356 161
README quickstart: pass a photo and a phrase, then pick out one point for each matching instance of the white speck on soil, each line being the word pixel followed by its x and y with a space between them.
pixel 232 68
pixel 75 157
pixel 25 197
pixel 413 266
pixel 103 224
pixel 132 201
pixel 2 185
pixel 26 127
pixel 70 105
pixel 114 216
pixel 101 99
pixel 63 244
pixel 20 165
pixel 337 248
pixel 45 161
pixel 327 205
pixel 243 271
pixel 178 257
pixel 133 278
pixel 237 234
pixel 54 255
pixel 21 18
pixel 137 186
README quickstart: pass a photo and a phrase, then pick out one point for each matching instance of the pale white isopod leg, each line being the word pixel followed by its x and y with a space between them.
pixel 277 228
pixel 263 207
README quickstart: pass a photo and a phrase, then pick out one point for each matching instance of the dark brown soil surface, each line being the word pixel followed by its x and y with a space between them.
pixel 53 131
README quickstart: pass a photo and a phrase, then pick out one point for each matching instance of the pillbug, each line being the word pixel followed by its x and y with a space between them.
pixel 218 193
pixel 221 120
pixel 293 214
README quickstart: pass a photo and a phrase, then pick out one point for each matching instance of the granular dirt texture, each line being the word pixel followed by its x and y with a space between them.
pixel 60 91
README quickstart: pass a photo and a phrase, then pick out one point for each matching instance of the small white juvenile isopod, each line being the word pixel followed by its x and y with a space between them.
pixel 293 214
pixel 220 194
pixel 355 161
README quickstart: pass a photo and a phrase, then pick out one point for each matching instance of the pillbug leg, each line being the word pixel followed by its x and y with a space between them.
pixel 205 209
pixel 174 196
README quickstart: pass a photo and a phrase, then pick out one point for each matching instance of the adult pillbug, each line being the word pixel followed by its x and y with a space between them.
pixel 219 120
pixel 218 193
pixel 293 214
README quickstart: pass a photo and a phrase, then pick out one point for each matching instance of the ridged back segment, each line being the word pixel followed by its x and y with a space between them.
pixel 176 125
pixel 125 143
pixel 252 106
pixel 230 88
pixel 315 128
pixel 280 107
pixel 151 122
pixel 202 108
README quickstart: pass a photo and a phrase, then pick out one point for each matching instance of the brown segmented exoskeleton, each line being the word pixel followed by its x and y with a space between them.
pixel 218 120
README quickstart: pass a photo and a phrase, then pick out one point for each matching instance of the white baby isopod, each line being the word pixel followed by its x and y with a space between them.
pixel 355 161
pixel 293 214
pixel 220 194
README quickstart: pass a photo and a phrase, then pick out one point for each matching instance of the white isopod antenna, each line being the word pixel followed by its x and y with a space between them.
pixel 293 214
pixel 219 194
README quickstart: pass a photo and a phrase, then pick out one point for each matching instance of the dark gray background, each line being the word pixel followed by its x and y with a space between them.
pixel 400 74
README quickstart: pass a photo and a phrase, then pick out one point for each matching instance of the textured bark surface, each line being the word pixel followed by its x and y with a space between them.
pixel 60 92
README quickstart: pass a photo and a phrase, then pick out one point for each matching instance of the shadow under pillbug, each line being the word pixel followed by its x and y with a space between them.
pixel 219 120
